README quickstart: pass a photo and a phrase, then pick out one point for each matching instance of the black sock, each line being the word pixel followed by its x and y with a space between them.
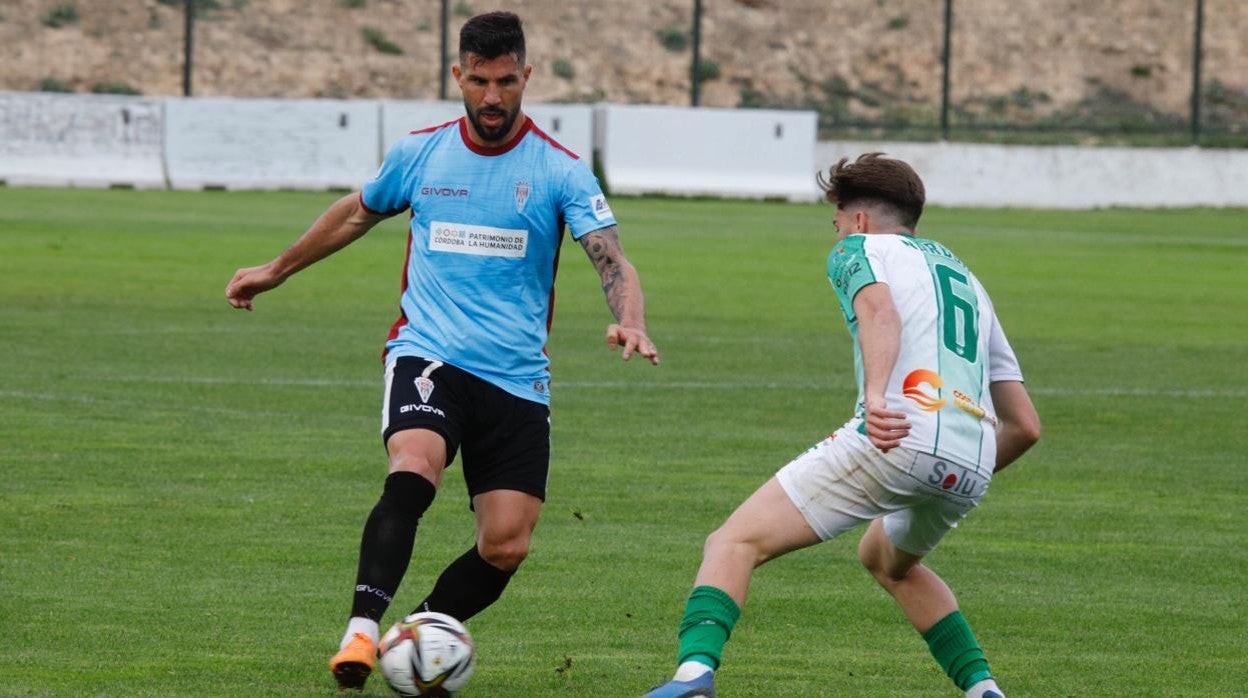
pixel 386 546
pixel 466 587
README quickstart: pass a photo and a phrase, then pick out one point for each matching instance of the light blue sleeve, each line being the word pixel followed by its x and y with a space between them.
pixel 584 207
pixel 390 192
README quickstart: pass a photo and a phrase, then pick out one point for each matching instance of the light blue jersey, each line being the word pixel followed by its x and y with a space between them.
pixel 483 246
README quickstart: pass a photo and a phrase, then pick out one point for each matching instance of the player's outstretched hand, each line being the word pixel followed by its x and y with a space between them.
pixel 249 283
pixel 632 340
pixel 885 428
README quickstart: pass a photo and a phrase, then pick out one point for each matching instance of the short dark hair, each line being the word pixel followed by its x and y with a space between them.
pixel 873 178
pixel 491 35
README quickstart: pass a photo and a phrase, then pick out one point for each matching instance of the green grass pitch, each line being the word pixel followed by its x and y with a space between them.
pixel 184 484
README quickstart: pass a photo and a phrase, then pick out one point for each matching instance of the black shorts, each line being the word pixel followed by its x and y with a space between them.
pixel 505 439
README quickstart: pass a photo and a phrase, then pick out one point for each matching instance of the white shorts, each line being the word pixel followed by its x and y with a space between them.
pixel 844 481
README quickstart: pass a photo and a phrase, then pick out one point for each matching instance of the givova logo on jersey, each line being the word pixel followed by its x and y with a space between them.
pixel 424 386
pixel 453 192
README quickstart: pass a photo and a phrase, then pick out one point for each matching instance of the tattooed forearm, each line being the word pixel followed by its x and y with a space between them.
pixel 616 292
pixel 619 279
pixel 602 246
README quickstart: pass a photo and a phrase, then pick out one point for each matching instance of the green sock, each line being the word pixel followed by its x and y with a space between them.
pixel 709 616
pixel 957 651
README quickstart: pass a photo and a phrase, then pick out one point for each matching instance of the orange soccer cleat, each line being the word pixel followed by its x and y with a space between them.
pixel 354 662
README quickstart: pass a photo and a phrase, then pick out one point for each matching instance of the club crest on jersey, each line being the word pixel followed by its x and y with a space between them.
pixel 425 387
pixel 522 195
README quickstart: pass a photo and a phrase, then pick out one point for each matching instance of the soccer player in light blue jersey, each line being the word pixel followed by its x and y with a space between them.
pixel 466 371
pixel 941 407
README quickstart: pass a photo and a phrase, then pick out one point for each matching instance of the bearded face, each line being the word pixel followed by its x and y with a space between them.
pixel 492 91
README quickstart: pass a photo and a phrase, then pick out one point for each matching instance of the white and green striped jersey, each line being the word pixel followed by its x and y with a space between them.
pixel 952 346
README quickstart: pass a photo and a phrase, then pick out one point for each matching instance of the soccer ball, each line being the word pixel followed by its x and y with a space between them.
pixel 427 654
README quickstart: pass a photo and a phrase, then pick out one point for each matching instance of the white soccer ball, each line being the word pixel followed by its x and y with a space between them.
pixel 427 654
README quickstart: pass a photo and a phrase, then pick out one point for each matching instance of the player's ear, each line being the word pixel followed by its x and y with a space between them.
pixel 457 72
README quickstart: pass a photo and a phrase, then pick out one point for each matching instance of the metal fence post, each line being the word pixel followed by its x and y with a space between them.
pixel 1196 60
pixel 697 46
pixel 944 81
pixel 188 44
pixel 444 67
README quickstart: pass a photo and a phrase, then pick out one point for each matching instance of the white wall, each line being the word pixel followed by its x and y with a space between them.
pixel 572 125
pixel 399 118
pixel 957 174
pixel 753 153
pixel 270 143
pixel 105 140
pixel 51 139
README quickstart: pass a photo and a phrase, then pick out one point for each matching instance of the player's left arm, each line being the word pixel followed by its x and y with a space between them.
pixel 622 287
pixel 879 337
pixel 1019 427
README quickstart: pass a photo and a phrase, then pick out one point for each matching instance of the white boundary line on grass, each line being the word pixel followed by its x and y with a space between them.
pixel 1058 391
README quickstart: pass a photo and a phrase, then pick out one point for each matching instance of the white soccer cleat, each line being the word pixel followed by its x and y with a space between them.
pixel 985 689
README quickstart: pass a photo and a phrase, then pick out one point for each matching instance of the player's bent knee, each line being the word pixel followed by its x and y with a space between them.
pixel 876 555
pixel 505 555
pixel 414 462
pixel 869 552
pixel 417 451
pixel 890 577
pixel 888 570
pixel 716 542
pixel 884 575
pixel 875 566
pixel 723 544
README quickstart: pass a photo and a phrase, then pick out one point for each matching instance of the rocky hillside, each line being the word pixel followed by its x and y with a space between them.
pixel 1023 61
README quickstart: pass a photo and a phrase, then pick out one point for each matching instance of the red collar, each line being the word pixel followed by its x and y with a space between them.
pixel 493 150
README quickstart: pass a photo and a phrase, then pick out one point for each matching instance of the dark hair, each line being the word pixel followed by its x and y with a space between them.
pixel 873 178
pixel 491 35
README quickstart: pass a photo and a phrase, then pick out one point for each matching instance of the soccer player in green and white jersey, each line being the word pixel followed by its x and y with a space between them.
pixel 941 407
